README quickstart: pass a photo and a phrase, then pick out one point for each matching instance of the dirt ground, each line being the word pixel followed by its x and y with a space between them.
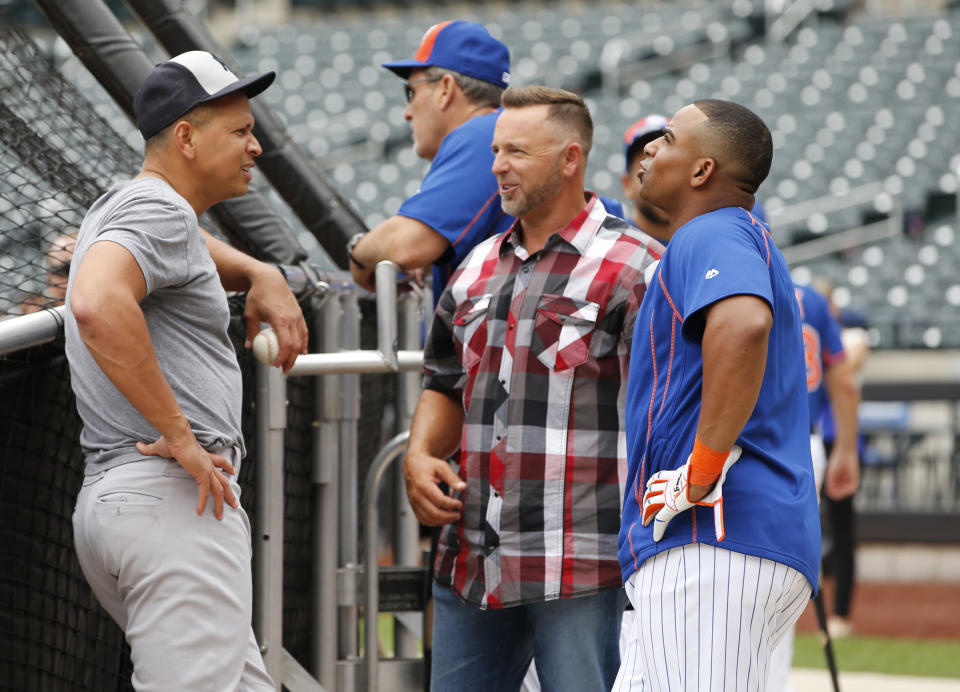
pixel 907 610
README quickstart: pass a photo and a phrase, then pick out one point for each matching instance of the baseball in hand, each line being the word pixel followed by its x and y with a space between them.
pixel 266 347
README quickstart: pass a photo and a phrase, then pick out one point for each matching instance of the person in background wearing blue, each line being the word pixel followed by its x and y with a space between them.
pixel 840 559
pixel 719 543
pixel 830 385
pixel 453 85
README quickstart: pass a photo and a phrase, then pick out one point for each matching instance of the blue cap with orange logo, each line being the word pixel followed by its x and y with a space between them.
pixel 464 47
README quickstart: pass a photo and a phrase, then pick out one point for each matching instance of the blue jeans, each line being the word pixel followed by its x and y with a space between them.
pixel 575 642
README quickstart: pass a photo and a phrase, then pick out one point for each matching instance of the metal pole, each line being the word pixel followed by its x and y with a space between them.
pixel 410 340
pixel 268 542
pixel 371 609
pixel 30 330
pixel 354 361
pixel 387 312
pixel 406 527
pixel 348 645
pixel 326 473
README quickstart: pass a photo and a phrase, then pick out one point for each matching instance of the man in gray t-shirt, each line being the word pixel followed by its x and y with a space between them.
pixel 186 314
pixel 158 386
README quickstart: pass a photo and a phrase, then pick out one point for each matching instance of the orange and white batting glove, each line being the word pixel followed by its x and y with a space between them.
pixel 666 496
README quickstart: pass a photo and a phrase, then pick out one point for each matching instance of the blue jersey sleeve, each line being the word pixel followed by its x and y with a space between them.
pixel 719 256
pixel 613 207
pixel 459 198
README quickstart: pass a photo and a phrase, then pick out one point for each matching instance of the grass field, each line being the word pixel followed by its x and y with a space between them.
pixel 927 658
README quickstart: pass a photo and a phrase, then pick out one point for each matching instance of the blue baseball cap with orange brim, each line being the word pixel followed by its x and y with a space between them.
pixel 638 135
pixel 464 47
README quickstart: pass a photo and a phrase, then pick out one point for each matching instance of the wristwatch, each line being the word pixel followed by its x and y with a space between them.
pixel 352 243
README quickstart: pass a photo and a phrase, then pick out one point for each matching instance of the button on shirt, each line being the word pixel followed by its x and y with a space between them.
pixel 537 346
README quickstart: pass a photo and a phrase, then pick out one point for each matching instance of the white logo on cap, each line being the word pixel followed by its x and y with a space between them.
pixel 211 73
pixel 710 274
pixel 505 77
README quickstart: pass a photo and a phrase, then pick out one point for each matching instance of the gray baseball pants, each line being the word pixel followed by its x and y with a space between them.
pixel 178 584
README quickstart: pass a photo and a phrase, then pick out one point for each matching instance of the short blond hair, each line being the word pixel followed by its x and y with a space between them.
pixel 565 107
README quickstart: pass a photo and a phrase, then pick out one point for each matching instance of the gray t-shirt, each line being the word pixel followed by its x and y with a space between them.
pixel 187 315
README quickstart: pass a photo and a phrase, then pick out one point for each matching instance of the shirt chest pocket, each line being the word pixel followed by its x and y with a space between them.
pixel 562 330
pixel 470 329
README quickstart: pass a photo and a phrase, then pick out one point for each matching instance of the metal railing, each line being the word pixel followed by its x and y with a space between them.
pixel 830 243
pixel 390 453
pixel 843 240
pixel 854 197
pixel 619 68
pixel 27 331
pixel 337 662
pixel 784 18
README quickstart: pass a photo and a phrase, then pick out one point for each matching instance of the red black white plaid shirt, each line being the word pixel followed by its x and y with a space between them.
pixel 538 346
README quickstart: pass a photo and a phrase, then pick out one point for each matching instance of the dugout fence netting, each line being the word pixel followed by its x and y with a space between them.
pixel 57 155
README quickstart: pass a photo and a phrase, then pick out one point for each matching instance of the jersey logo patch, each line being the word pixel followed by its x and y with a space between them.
pixel 710 274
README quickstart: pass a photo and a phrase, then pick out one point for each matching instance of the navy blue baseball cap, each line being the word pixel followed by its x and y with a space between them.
pixel 182 83
pixel 640 133
pixel 464 47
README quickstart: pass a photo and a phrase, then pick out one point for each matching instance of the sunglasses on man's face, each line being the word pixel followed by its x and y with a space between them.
pixel 408 91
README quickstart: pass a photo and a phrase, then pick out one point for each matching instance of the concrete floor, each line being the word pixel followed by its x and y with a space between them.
pixel 807 680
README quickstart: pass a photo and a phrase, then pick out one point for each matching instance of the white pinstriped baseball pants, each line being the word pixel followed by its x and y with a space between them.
pixel 707 619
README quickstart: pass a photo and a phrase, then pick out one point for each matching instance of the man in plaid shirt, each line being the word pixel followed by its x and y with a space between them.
pixel 526 364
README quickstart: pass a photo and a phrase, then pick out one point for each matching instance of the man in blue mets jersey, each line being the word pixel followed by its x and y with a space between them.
pixel 452 86
pixel 720 539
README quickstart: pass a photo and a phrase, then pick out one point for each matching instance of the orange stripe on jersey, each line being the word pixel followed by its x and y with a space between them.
pixel 653 398
pixel 474 219
pixel 641 477
pixel 753 219
pixel 426 45
pixel 667 294
pixel 633 553
pixel 766 244
pixel 763 229
pixel 666 384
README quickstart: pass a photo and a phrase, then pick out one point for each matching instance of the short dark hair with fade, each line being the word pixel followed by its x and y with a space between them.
pixel 196 116
pixel 743 140
pixel 566 108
